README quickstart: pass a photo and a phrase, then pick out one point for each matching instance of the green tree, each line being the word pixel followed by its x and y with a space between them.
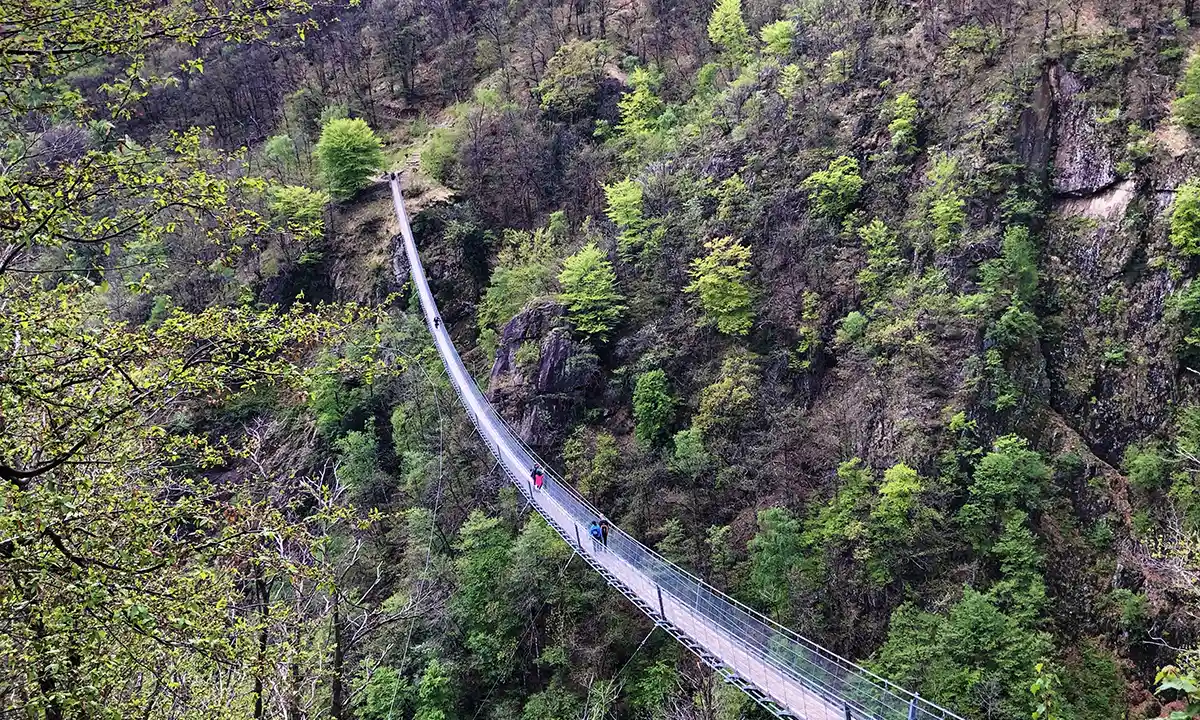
pixel 589 291
pixel 834 190
pixel 348 155
pixel 690 457
pixel 903 125
pixel 719 278
pixel 729 399
pixel 653 406
pixel 481 605
pixel 299 209
pixel 641 107
pixel 727 30
pixel 1186 107
pixel 778 38
pixel 572 78
pixel 435 693
pixel 1185 218
pixel 947 207
pixel 774 552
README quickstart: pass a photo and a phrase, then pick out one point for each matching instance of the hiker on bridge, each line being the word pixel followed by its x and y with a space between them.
pixel 539 478
pixel 594 531
pixel 437 322
pixel 604 532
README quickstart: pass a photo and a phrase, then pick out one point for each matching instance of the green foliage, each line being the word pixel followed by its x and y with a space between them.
pixel 572 78
pixel 1010 478
pixel 1133 609
pixel 947 207
pixel 1181 683
pixel 973 658
pixel 440 153
pixel 523 273
pixel 727 30
pixel 653 406
pixel 281 151
pixel 435 693
pixel 903 126
pixel 852 329
pixel 553 703
pixel 1186 107
pixel 774 553
pixel 1185 218
pixel 720 280
pixel 592 461
pixel 481 607
pixel 358 461
pixel 641 107
pixel 624 209
pixel 727 401
pixel 778 38
pixel 299 209
pixel 834 190
pixel 388 695
pixel 690 457
pixel 1102 55
pixel 1147 466
pixel 883 259
pixel 589 291
pixel 810 334
pixel 1046 689
pixel 348 154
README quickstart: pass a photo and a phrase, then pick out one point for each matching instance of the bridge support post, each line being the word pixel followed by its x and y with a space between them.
pixel 912 707
pixel 661 610
pixel 848 713
pixel 578 542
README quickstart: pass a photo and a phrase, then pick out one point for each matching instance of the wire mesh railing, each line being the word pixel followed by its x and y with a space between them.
pixel 791 669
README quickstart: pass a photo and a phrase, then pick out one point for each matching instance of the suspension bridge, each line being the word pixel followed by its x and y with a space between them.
pixel 789 675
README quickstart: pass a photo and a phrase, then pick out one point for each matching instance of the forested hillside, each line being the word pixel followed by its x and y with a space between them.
pixel 883 317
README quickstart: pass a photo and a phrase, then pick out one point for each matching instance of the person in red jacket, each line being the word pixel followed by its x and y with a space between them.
pixel 539 478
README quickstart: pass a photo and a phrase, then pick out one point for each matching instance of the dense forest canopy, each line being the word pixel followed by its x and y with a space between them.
pixel 881 316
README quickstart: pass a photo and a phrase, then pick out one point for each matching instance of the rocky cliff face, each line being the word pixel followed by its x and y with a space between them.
pixel 540 374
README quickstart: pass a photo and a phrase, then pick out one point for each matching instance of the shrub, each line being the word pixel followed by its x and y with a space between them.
pixel 834 190
pixel 348 154
pixel 1185 218
pixel 624 209
pixel 299 209
pixel 357 464
pixel 641 107
pixel 572 78
pixel 947 208
pixel 883 258
pixel 1187 107
pixel 439 154
pixel 903 126
pixel 778 38
pixel 1146 465
pixel 853 329
pixel 719 279
pixel 524 271
pixel 280 151
pixel 774 552
pixel 727 30
pixel 690 457
pixel 653 406
pixel 589 291
pixel 726 401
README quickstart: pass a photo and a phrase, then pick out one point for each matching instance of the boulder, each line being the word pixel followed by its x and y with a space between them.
pixel 1083 157
pixel 540 375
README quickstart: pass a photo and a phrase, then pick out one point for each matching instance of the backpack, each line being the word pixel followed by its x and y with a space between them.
pixel 595 531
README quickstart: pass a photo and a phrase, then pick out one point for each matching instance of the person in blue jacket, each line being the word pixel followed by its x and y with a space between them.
pixel 594 531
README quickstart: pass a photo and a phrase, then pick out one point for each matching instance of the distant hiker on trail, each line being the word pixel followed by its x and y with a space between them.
pixel 539 478
pixel 437 322
pixel 604 533
pixel 597 535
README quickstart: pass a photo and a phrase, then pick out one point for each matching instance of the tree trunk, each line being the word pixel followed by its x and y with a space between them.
pixel 337 698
